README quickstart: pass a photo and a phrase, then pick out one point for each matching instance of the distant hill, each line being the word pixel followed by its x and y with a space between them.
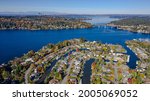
pixel 134 24
pixel 30 13
pixel 133 21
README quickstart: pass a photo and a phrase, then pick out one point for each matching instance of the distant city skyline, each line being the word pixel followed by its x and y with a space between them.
pixel 77 6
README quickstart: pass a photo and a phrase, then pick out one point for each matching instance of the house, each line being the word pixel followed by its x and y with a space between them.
pixel 76 71
pixel 73 75
pixel 73 81
pixel 29 60
pixel 77 62
pixel 53 81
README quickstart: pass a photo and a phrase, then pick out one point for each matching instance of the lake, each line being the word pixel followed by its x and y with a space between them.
pixel 14 43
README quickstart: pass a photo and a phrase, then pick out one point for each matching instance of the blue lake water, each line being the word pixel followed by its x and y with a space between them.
pixel 14 43
pixel 100 19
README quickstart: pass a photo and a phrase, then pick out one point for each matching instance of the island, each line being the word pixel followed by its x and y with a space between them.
pixel 133 24
pixel 41 23
pixel 64 63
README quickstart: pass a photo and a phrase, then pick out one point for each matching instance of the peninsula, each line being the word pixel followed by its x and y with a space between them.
pixel 63 63
pixel 133 24
pixel 141 48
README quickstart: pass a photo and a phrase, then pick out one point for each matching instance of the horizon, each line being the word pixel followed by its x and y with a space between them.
pixel 42 13
pixel 95 7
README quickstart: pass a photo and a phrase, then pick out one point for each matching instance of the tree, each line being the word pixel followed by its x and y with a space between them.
pixel 82 40
pixel 32 65
pixel 148 72
pixel 119 63
pixel 30 53
pixel 50 46
pixel 5 74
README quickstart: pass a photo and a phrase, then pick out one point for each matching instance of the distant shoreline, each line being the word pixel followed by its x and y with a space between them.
pixel 42 23
pixel 133 24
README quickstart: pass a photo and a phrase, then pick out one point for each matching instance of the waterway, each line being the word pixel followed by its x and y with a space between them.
pixel 14 43
pixel 87 72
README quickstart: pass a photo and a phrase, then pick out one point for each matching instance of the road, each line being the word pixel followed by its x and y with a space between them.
pixel 64 81
pixel 27 74
pixel 116 75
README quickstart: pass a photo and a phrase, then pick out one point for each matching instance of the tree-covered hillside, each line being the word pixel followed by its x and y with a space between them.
pixel 134 21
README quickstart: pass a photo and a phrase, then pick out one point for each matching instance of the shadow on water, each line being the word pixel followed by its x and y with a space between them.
pixel 133 58
pixel 87 72
pixel 41 80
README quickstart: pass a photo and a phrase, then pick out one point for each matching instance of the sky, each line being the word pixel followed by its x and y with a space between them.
pixel 77 6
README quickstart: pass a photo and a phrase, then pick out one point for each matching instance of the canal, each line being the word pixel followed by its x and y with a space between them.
pixel 87 72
